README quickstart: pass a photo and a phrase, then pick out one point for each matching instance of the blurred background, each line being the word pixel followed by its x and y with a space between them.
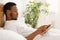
pixel 52 18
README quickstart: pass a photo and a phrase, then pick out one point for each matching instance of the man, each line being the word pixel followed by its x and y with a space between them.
pixel 13 24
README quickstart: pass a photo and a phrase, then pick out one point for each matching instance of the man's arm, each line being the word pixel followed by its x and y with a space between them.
pixel 31 36
pixel 38 31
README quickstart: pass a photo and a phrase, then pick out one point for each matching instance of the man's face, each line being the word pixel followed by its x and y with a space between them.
pixel 14 12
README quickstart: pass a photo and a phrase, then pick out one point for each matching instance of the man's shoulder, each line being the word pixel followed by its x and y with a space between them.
pixel 12 22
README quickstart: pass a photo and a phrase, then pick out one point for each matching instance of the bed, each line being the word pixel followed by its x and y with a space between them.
pixel 1 16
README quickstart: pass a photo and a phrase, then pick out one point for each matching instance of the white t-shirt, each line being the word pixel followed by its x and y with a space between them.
pixel 19 26
pixel 10 35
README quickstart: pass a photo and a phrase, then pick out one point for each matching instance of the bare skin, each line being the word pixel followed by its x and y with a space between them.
pixel 13 14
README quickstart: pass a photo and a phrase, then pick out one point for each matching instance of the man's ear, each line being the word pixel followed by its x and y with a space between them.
pixel 8 11
pixel 8 14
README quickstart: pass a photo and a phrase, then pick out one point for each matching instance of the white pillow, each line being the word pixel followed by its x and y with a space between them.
pixel 10 35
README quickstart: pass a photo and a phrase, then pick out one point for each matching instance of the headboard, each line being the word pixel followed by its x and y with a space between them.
pixel 1 16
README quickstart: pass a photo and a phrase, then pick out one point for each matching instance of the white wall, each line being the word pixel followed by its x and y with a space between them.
pixel 57 16
pixel 55 7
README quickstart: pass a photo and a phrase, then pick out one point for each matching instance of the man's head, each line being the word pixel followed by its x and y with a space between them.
pixel 10 11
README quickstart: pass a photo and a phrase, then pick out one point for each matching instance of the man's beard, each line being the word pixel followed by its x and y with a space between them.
pixel 14 18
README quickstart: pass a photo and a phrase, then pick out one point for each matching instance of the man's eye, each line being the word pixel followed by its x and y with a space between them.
pixel 14 11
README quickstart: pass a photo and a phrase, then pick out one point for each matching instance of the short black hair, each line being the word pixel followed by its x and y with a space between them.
pixel 8 6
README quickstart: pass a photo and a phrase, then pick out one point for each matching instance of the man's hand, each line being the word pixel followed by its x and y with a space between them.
pixel 43 29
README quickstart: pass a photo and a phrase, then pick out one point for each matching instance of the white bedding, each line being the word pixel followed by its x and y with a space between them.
pixel 10 35
pixel 52 34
